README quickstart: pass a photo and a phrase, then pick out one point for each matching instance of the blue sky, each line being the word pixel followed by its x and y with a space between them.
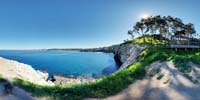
pixel 33 24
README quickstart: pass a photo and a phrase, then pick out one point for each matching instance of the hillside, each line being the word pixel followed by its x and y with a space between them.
pixel 145 72
pixel 121 79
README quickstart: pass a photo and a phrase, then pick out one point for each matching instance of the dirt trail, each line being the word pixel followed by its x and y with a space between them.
pixel 172 86
pixel 16 94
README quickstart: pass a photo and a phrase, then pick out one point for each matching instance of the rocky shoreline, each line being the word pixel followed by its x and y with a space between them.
pixel 63 80
pixel 11 69
pixel 124 55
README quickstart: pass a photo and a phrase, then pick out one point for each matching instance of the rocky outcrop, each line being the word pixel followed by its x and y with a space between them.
pixel 11 69
pixel 61 80
pixel 43 74
pixel 127 54
pixel 124 54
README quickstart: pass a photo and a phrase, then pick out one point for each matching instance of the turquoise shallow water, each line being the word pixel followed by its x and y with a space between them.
pixel 91 64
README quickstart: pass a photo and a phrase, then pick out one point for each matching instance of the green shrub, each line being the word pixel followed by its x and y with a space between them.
pixel 149 40
pixel 196 58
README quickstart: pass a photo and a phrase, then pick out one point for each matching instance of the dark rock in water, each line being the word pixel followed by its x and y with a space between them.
pixel 96 75
pixel 108 70
pixel 52 79
pixel 117 59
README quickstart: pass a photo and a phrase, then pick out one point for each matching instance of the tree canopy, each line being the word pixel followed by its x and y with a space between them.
pixel 166 26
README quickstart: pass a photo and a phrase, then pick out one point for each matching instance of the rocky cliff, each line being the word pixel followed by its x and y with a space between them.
pixel 124 54
pixel 127 53
pixel 10 69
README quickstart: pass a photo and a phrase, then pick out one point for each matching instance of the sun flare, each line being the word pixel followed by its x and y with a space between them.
pixel 144 16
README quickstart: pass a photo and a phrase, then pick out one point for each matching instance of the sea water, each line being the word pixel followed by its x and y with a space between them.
pixel 90 64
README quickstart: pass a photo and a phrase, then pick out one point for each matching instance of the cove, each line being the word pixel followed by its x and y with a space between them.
pixel 87 64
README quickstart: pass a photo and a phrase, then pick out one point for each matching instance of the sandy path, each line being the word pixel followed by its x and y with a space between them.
pixel 16 94
pixel 150 88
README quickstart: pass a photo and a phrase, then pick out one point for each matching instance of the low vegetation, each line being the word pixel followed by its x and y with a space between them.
pixel 114 83
pixel 149 40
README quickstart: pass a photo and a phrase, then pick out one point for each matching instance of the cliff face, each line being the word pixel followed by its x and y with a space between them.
pixel 12 69
pixel 127 54
pixel 124 54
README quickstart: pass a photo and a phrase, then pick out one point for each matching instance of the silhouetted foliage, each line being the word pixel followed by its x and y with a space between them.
pixel 166 26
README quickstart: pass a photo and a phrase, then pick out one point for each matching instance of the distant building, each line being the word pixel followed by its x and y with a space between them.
pixel 182 41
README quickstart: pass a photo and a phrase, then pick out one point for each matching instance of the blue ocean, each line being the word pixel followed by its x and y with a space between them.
pixel 88 64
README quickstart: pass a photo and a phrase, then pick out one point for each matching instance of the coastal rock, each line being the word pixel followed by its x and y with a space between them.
pixel 61 80
pixel 12 69
pixel 127 54
pixel 44 75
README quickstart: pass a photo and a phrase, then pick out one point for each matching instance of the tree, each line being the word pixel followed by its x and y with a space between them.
pixel 139 28
pixel 189 29
pixel 169 20
pixel 131 33
pixel 166 27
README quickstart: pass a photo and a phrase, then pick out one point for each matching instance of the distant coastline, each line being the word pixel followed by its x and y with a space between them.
pixel 109 49
pixel 102 49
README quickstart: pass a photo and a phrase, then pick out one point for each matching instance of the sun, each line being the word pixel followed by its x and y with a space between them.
pixel 145 16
